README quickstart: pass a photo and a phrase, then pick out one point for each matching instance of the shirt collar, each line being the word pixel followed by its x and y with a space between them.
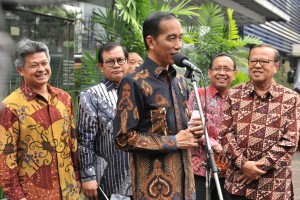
pixel 273 90
pixel 156 70
pixel 110 85
pixel 213 91
pixel 30 93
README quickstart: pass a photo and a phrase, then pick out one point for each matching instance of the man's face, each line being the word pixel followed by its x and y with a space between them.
pixel 36 70
pixel 167 43
pixel 134 61
pixel 262 72
pixel 116 72
pixel 222 73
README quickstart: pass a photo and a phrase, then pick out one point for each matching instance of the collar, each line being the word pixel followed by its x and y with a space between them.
pixel 110 85
pixel 272 92
pixel 155 69
pixel 30 93
pixel 213 91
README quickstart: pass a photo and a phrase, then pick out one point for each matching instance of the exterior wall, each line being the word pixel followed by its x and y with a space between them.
pixel 282 35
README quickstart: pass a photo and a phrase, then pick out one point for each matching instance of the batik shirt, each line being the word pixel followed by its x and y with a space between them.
pixel 38 145
pixel 99 158
pixel 264 129
pixel 151 110
pixel 212 107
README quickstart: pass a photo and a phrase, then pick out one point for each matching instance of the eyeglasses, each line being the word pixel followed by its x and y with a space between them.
pixel 111 62
pixel 263 62
pixel 219 69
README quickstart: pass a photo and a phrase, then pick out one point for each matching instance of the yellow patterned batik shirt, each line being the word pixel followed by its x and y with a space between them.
pixel 38 145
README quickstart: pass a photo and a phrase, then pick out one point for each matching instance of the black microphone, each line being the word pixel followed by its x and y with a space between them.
pixel 181 60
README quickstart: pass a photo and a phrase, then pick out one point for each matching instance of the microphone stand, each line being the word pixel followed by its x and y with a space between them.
pixel 210 160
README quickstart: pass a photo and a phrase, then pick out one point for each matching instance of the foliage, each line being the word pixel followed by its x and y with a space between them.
pixel 1 193
pixel 89 73
pixel 213 35
pixel 281 76
pixel 54 10
pixel 123 21
pixel 240 78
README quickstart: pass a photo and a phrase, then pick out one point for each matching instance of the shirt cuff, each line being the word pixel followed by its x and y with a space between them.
pixel 267 165
pixel 87 174
pixel 169 143
pixel 240 161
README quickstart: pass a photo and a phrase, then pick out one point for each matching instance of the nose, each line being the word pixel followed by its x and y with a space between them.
pixel 178 44
pixel 41 67
pixel 116 65
pixel 257 64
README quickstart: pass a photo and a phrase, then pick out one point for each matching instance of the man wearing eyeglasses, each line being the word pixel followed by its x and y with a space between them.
pixel 101 164
pixel 221 73
pixel 260 131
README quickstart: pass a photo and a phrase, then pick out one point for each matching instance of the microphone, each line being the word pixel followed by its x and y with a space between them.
pixel 181 60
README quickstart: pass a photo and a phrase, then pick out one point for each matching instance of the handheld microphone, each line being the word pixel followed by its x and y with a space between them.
pixel 181 60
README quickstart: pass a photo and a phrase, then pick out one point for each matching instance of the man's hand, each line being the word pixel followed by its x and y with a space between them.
pixel 221 156
pixel 186 139
pixel 245 179
pixel 251 169
pixel 78 185
pixel 195 126
pixel 89 189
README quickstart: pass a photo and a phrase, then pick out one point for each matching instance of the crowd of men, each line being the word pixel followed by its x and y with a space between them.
pixel 134 137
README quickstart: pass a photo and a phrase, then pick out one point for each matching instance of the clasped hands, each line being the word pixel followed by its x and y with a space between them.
pixel 251 171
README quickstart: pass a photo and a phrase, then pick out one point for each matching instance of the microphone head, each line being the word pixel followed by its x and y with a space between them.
pixel 178 58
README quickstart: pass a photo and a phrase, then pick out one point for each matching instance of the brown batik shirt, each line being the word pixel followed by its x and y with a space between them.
pixel 264 129
pixel 151 110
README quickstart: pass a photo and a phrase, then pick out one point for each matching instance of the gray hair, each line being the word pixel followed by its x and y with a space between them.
pixel 26 47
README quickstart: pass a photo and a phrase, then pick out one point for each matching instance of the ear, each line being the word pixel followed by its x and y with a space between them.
pixel 208 73
pixel 150 41
pixel 100 65
pixel 277 65
pixel 20 70
pixel 235 72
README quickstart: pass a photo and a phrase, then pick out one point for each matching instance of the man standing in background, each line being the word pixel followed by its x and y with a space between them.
pixel 221 73
pixel 260 132
pixel 134 61
pixel 101 164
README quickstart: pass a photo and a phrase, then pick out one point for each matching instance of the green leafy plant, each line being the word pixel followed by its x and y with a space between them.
pixel 1 193
pixel 123 21
pixel 240 78
pixel 213 35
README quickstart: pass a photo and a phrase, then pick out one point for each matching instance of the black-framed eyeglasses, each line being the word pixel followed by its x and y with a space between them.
pixel 263 62
pixel 219 69
pixel 111 62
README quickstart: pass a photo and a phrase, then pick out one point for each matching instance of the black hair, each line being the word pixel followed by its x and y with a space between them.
pixel 151 25
pixel 276 52
pixel 108 47
pixel 220 55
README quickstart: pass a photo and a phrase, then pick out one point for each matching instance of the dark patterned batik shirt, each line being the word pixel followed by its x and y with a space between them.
pixel 99 158
pixel 151 110
pixel 264 129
